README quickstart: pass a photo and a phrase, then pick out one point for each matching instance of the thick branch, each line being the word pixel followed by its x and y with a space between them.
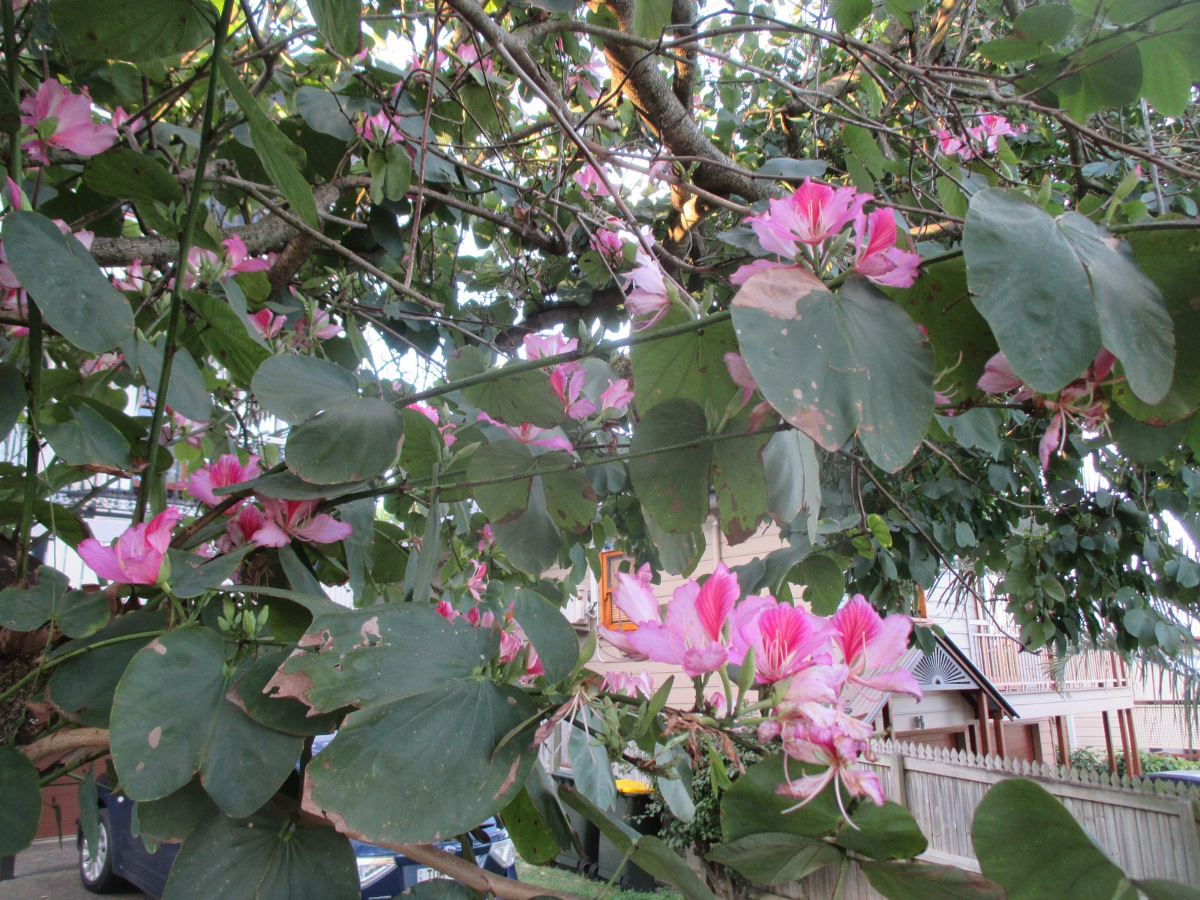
pixel 62 741
pixel 650 92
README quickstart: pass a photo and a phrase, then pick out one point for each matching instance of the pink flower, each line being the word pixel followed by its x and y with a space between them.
pixel 478 581
pixel 567 381
pixel 634 597
pixel 590 180
pixel 267 323
pixel 871 646
pixel 135 557
pixel 539 346
pixel 432 414
pixel 227 470
pixel 322 327
pixel 530 434
pixel 746 272
pixel 999 378
pixel 380 128
pixel 740 373
pixel 120 119
pixel 814 213
pixel 617 396
pixel 827 746
pixel 101 363
pixel 510 646
pixel 629 684
pixel 648 301
pixel 470 55
pixel 991 129
pixel 610 245
pixel 446 611
pixel 691 634
pixel 242 528
pixel 950 145
pixel 287 519
pixel 240 259
pixel 62 119
pixel 877 257
pixel 486 539
pixel 785 639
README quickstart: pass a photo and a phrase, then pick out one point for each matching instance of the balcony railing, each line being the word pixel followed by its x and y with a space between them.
pixel 1013 670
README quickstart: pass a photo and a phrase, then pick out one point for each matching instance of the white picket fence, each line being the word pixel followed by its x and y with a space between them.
pixel 1148 827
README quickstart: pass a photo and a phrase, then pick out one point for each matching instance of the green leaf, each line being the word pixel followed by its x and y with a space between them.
pixel 1161 889
pixel 1029 844
pixel 824 581
pixel 12 397
pixel 84 684
pixel 324 111
pixel 173 818
pixel 372 657
pixel 280 713
pixel 534 839
pixel 651 17
pixel 86 439
pixel 317 451
pixel 591 769
pixel 22 807
pixel 1045 25
pixel 172 716
pixel 27 608
pixel 689 366
pixel 1039 308
pixel 740 480
pixel 1107 73
pixel 131 175
pixel 516 399
pixel 883 832
pixel 1134 322
pixel 337 20
pixel 1112 294
pixel 551 634
pixel 391 173
pixel 273 149
pixel 962 341
pixel 263 858
pixel 673 485
pixel 1169 63
pixel 288 486
pixel 192 576
pixel 297 388
pixel 187 393
pixel 531 541
pixel 793 169
pixel 751 806
pixel 133 30
pixel 863 146
pixel 772 858
pixel 928 881
pixel 849 14
pixel 225 333
pixel 646 851
pixel 64 281
pixel 425 767
pixel 793 475
pixel 836 365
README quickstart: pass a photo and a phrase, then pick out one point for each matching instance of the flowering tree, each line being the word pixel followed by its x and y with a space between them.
pixel 427 300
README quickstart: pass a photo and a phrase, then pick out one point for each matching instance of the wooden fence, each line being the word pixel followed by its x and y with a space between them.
pixel 1148 827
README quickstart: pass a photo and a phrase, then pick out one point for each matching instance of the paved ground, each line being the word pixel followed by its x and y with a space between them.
pixel 47 871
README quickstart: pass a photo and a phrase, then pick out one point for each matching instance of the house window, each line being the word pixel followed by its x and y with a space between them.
pixel 610 564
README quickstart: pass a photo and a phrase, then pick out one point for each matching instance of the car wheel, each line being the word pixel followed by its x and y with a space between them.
pixel 95 863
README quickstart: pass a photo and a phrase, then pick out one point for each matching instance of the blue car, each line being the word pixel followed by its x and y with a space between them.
pixel 120 857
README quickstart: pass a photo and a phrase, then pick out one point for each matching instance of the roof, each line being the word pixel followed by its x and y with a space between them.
pixel 946 668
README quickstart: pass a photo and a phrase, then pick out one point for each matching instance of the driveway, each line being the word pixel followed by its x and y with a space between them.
pixel 47 871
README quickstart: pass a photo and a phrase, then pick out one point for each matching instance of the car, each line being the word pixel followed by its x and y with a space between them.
pixel 1183 776
pixel 119 856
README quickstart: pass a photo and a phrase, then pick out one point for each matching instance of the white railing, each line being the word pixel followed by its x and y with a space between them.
pixel 1013 670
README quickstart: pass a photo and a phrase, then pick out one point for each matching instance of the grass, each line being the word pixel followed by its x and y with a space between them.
pixel 569 882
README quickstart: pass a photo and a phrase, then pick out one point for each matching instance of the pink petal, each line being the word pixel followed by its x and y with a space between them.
pixel 716 599
pixel 101 560
pixel 323 529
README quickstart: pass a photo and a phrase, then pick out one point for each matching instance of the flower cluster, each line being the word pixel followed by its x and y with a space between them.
pixel 136 557
pixel 809 667
pixel 1079 403
pixel 61 119
pixel 986 136
pixel 807 228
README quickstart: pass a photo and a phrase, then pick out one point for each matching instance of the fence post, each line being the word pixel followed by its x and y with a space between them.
pixel 897 790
